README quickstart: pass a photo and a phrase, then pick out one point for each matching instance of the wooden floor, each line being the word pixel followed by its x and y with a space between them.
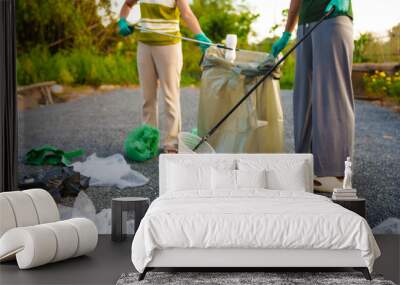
pixel 110 260
pixel 103 266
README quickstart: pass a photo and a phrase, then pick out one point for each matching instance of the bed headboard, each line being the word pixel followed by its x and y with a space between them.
pixel 212 159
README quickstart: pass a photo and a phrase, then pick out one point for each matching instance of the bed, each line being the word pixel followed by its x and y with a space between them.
pixel 246 211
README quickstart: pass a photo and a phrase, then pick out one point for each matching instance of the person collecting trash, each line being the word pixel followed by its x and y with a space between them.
pixel 323 101
pixel 159 58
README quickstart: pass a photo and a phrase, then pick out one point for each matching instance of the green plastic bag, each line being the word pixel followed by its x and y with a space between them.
pixel 50 155
pixel 142 143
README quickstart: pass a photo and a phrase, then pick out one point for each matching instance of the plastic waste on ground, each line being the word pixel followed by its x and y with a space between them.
pixel 83 208
pixel 50 155
pixel 110 171
pixel 142 143
pixel 388 226
pixel 59 182
pixel 257 125
pixel 57 89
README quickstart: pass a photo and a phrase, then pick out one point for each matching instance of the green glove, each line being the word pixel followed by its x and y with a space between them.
pixel 280 44
pixel 203 38
pixel 124 28
pixel 342 6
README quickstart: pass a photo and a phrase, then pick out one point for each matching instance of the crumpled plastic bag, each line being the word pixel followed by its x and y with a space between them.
pixel 249 63
pixel 50 155
pixel 388 226
pixel 83 208
pixel 59 182
pixel 65 212
pixel 110 171
pixel 261 69
pixel 142 143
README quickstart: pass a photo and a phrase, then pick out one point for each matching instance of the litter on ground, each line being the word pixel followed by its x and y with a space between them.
pixel 110 171
pixel 83 208
pixel 50 155
pixel 142 143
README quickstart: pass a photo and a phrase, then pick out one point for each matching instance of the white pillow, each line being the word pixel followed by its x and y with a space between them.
pixel 183 177
pixel 281 174
pixel 224 179
pixel 251 178
pixel 217 163
pixel 293 178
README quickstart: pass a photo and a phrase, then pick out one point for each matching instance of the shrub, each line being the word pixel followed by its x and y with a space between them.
pixel 76 67
pixel 383 84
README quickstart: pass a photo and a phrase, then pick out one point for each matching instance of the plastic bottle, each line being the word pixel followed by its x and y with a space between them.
pixel 231 42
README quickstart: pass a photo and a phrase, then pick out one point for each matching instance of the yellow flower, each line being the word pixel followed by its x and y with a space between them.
pixel 120 45
pixel 382 74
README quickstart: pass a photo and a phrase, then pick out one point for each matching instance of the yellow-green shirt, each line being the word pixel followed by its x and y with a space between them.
pixel 162 16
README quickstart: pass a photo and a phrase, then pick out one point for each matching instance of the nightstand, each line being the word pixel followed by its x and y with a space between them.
pixel 355 205
pixel 119 214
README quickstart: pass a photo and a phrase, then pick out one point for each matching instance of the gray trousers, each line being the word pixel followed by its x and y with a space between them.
pixel 323 100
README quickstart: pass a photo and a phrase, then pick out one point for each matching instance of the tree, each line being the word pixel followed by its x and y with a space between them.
pixel 60 23
pixel 394 42
pixel 360 47
pixel 282 24
pixel 221 17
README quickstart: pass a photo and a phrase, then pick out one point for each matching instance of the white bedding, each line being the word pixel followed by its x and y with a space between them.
pixel 251 218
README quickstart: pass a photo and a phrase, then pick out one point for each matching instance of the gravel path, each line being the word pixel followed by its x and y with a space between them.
pixel 99 124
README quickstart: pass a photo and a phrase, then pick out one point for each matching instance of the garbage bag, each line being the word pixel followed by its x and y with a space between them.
pixel 142 143
pixel 50 155
pixel 59 182
pixel 257 125
pixel 388 226
pixel 84 208
pixel 110 171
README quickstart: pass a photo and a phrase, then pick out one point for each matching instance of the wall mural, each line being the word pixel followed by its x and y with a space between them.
pixel 81 107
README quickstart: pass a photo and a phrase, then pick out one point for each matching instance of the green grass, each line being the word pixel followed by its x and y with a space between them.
pixel 76 67
pixel 87 67
pixel 288 70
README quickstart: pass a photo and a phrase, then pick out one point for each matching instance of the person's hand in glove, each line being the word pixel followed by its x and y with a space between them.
pixel 203 38
pixel 342 6
pixel 280 44
pixel 124 28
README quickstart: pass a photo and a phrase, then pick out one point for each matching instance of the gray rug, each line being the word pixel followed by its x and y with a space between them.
pixel 243 278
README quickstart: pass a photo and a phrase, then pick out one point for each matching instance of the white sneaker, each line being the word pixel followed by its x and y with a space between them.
pixel 327 184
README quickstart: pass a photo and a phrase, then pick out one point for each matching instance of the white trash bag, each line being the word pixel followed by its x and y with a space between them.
pixel 388 226
pixel 84 208
pixel 110 171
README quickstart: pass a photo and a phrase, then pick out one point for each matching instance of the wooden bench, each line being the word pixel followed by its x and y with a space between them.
pixel 44 89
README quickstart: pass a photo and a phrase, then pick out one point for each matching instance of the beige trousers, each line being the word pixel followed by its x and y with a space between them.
pixel 161 65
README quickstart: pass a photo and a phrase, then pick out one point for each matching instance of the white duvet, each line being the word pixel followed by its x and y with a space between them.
pixel 250 219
